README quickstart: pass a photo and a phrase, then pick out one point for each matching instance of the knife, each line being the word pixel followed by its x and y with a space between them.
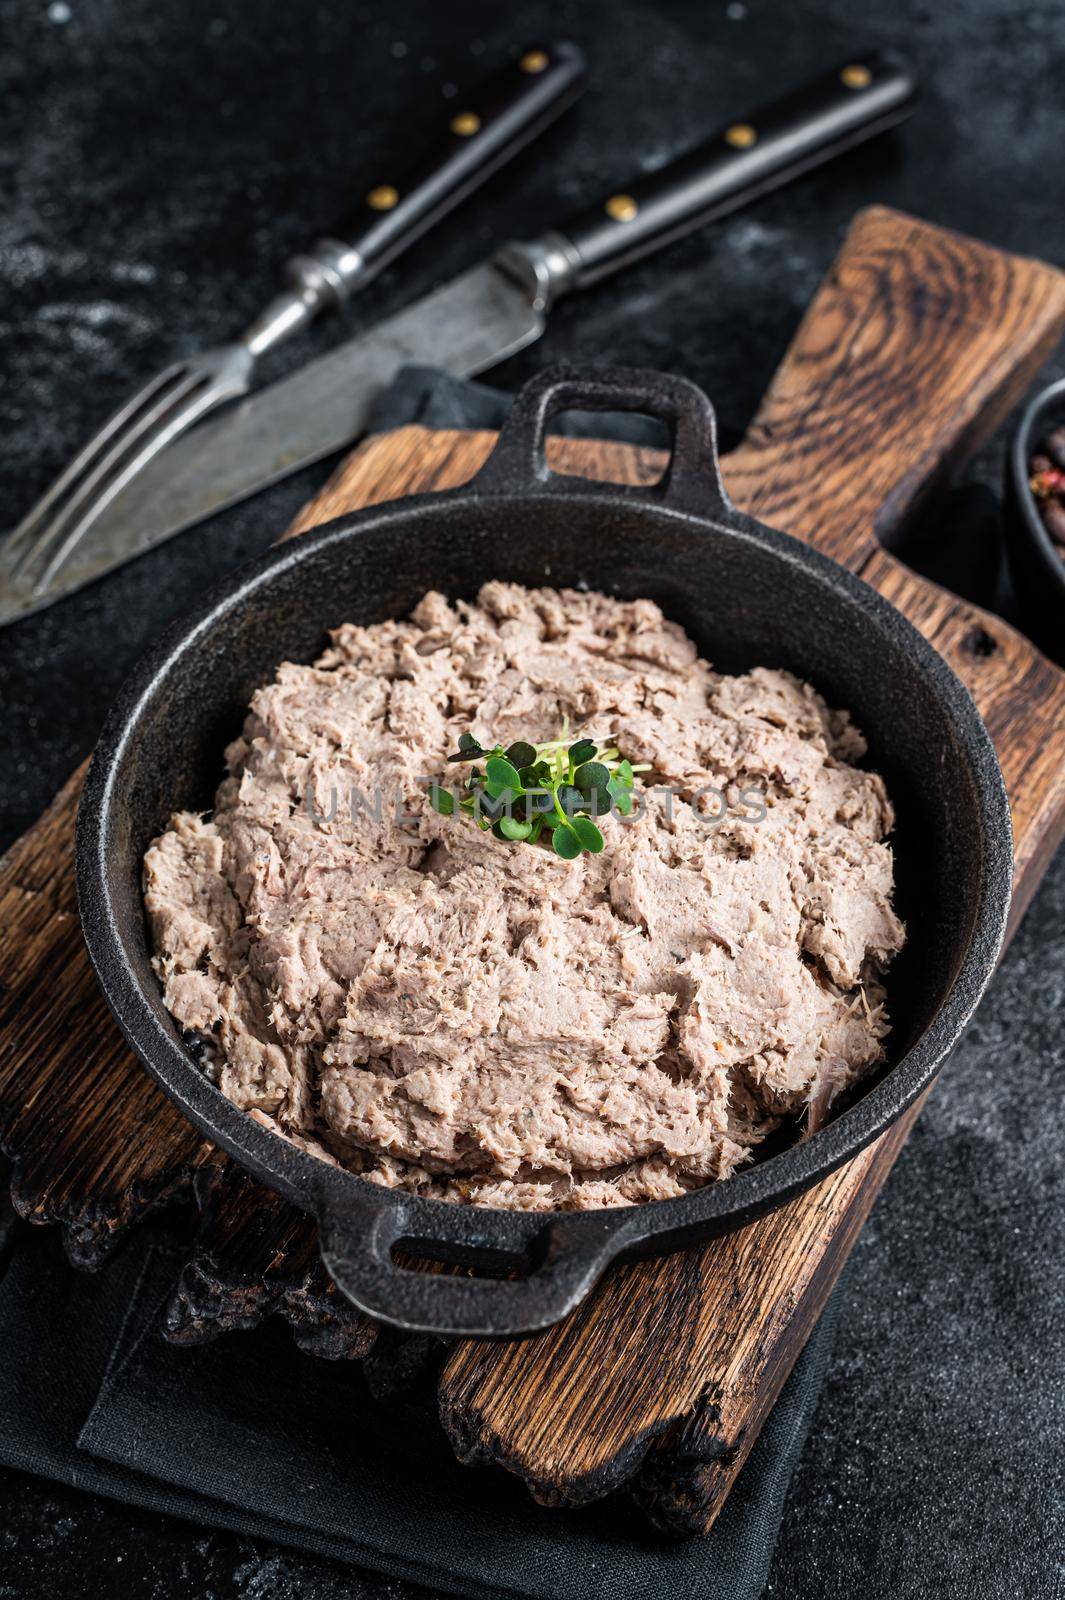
pixel 493 310
pixel 485 130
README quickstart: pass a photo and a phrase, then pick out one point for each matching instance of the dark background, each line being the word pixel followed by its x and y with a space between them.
pixel 158 160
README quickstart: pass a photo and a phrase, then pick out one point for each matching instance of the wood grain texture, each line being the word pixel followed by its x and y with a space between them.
pixel 915 345
pixel 685 1354
pixel 95 1145
pixel 913 348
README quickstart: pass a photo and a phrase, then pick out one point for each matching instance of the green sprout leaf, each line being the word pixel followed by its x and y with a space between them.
pixel 441 800
pixel 521 754
pixel 552 791
pixel 570 799
pixel 501 775
pixel 592 775
pixel 468 749
pixel 566 843
pixel 593 780
pixel 588 835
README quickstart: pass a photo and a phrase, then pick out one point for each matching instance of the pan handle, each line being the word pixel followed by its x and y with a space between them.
pixel 692 479
pixel 357 1238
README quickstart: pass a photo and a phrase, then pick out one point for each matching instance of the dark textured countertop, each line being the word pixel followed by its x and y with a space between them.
pixel 158 162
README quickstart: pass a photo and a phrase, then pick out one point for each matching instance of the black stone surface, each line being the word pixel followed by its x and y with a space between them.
pixel 158 160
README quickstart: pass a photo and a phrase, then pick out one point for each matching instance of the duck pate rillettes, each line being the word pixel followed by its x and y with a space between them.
pixel 478 1020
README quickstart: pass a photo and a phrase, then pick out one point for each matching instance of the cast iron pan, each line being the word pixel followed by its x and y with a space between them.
pixel 1037 567
pixel 748 595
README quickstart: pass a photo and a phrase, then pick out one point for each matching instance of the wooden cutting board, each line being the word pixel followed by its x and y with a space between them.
pixel 916 345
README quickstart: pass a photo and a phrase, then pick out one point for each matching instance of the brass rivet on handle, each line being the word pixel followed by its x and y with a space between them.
pixel 465 123
pixel 383 198
pixel 741 136
pixel 621 207
pixel 856 76
pixel 533 61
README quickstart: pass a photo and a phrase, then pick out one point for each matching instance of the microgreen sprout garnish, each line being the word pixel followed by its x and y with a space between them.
pixel 554 791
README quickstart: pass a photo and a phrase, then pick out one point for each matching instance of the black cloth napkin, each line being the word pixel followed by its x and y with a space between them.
pixel 436 400
pixel 250 1434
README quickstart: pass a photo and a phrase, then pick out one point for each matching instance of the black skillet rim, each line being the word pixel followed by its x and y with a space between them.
pixel 742 1195
pixel 360 1221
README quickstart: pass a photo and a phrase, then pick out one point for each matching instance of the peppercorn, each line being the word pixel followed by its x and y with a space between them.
pixel 1046 479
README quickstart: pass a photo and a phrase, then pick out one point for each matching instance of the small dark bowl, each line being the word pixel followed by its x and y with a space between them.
pixel 1037 566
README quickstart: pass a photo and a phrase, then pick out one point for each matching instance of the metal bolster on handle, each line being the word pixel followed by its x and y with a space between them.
pixel 692 478
pixel 357 1244
pixel 546 268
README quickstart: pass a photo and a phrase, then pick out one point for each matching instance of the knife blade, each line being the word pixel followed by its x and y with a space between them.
pixel 468 325
pixel 493 310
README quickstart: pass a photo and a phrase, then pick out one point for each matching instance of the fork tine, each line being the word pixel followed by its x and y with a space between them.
pixel 106 470
pixel 84 458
